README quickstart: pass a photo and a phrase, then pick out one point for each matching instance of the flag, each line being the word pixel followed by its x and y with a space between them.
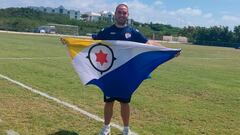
pixel 116 67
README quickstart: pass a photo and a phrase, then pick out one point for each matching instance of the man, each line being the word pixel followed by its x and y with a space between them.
pixel 119 31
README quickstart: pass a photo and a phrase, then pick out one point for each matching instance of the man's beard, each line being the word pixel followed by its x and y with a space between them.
pixel 121 23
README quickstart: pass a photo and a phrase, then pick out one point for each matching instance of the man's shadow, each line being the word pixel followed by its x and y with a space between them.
pixel 64 132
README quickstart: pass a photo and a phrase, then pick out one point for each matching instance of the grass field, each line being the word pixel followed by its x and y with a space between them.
pixel 196 93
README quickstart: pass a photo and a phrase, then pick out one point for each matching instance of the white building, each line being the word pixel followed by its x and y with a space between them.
pixel 73 14
pixel 107 15
pixel 92 16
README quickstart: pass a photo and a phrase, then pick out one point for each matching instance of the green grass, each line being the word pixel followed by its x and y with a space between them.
pixel 196 93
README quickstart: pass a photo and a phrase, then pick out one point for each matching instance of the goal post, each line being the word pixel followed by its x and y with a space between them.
pixel 65 29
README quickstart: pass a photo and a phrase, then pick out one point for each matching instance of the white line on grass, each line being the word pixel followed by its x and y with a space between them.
pixel 11 132
pixel 34 58
pixel 95 117
pixel 44 34
pixel 45 58
pixel 209 58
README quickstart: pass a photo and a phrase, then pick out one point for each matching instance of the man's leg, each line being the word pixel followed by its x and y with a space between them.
pixel 108 112
pixel 125 113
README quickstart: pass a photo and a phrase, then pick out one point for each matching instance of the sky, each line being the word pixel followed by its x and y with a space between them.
pixel 177 13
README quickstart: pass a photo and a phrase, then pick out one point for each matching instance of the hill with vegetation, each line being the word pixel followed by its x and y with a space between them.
pixel 28 20
pixel 214 36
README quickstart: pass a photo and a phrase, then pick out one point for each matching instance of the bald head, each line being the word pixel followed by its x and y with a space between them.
pixel 121 6
pixel 121 15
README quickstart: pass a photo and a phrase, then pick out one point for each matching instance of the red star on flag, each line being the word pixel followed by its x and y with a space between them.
pixel 101 57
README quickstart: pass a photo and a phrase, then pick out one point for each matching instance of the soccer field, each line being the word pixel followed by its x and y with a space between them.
pixel 196 93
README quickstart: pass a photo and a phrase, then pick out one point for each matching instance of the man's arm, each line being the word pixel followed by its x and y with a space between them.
pixel 139 37
pixel 151 42
pixel 100 35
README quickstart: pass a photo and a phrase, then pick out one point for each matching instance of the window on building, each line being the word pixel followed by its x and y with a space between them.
pixel 61 11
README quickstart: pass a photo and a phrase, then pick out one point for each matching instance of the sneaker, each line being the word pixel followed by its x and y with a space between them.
pixel 126 131
pixel 105 130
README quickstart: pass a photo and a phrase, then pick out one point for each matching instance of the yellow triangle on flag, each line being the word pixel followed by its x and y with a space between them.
pixel 76 45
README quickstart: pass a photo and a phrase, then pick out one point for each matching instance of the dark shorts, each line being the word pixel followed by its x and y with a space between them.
pixel 122 100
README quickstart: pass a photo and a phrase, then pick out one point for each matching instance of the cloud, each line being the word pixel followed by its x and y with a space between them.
pixel 156 12
pixel 208 15
pixel 26 3
pixel 180 17
pixel 82 5
pixel 231 18
pixel 90 5
pixel 230 21
pixel 187 11
pixel 158 2
pixel 138 11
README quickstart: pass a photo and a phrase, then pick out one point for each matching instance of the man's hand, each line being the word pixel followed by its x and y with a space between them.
pixel 177 54
pixel 152 42
pixel 63 41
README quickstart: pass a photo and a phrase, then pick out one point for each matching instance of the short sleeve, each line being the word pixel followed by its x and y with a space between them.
pixel 138 37
pixel 99 35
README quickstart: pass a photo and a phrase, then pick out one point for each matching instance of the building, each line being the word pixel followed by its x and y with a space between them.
pixel 92 16
pixel 182 39
pixel 73 14
pixel 167 38
pixel 175 39
pixel 107 15
pixel 60 10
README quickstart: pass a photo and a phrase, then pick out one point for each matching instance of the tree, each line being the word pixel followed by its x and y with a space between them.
pixel 237 34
